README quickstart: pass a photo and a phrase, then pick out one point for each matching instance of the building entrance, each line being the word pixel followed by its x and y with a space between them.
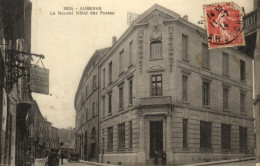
pixel 156 138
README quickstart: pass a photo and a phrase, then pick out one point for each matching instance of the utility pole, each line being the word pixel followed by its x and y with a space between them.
pixel 257 82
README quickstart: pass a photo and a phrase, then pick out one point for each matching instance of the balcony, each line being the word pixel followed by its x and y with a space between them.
pixel 156 101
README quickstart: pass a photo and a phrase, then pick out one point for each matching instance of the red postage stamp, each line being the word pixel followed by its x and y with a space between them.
pixel 224 25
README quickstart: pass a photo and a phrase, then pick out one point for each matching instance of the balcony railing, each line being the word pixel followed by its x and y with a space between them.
pixel 156 101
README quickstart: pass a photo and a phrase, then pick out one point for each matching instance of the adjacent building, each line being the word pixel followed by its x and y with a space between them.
pixel 15 35
pixel 159 88
pixel 87 108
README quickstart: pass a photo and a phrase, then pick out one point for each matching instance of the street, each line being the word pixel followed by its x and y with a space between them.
pixel 243 163
pixel 40 162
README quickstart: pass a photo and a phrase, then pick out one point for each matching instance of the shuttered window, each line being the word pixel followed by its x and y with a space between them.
pixel 156 49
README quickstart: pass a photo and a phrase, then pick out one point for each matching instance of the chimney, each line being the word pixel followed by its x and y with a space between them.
pixel 185 17
pixel 113 40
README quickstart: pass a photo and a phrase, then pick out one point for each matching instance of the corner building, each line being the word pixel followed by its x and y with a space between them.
pixel 161 89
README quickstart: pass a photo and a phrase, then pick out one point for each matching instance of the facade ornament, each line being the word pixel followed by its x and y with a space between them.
pixel 171 46
pixel 155 19
pixel 156 35
pixel 140 48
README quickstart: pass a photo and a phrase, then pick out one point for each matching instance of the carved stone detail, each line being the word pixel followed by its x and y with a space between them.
pixel 140 48
pixel 171 46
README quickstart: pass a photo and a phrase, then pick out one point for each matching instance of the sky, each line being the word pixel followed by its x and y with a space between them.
pixel 68 42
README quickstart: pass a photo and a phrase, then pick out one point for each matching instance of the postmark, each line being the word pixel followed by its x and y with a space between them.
pixel 224 25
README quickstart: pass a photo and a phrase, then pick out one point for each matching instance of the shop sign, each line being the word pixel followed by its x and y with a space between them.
pixel 39 80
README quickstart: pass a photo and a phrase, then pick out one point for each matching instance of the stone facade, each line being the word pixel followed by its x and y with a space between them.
pixel 144 106
pixel 86 105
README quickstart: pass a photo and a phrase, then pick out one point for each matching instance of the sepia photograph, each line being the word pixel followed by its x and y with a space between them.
pixel 131 82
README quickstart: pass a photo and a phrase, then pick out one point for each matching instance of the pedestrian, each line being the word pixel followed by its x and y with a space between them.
pixel 164 158
pixel 61 157
pixel 156 157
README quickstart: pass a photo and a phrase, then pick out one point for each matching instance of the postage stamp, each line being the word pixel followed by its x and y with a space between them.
pixel 224 25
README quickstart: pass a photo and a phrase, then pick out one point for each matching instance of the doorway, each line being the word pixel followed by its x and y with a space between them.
pixel 156 138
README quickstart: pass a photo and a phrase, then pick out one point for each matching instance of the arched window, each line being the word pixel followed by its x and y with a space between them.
pixel 86 137
pixel 93 132
pixel 93 109
pixel 156 49
pixel 93 143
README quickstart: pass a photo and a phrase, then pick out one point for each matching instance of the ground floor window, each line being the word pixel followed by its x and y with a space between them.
pixel 225 136
pixel 242 139
pixel 185 133
pixel 110 139
pixel 205 134
pixel 121 135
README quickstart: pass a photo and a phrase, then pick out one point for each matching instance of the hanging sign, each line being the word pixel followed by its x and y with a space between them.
pixel 39 80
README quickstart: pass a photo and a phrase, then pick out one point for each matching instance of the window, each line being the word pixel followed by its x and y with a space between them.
pixel 130 92
pixel 225 98
pixel 104 105
pixel 242 139
pixel 110 72
pixel 242 70
pixel 93 109
pixel 130 134
pixel 121 61
pixel 104 78
pixel 184 133
pixel 110 103
pixel 205 56
pixel 121 97
pixel 86 92
pixel 94 82
pixel 225 136
pixel 184 47
pixel 130 53
pixel 206 94
pixel 156 49
pixel 110 139
pixel 156 85
pixel 242 102
pixel 86 114
pixel 184 88
pixel 121 135
pixel 205 134
pixel 225 64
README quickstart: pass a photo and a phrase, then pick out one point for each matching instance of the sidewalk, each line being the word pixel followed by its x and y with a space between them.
pixel 220 162
pixel 95 163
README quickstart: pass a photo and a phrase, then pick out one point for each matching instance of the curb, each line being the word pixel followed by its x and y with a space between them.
pixel 95 163
pixel 220 162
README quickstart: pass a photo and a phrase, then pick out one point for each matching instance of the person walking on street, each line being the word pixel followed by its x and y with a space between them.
pixel 164 158
pixel 61 157
pixel 156 157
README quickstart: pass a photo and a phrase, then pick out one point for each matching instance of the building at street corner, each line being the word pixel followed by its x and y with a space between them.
pixel 159 88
